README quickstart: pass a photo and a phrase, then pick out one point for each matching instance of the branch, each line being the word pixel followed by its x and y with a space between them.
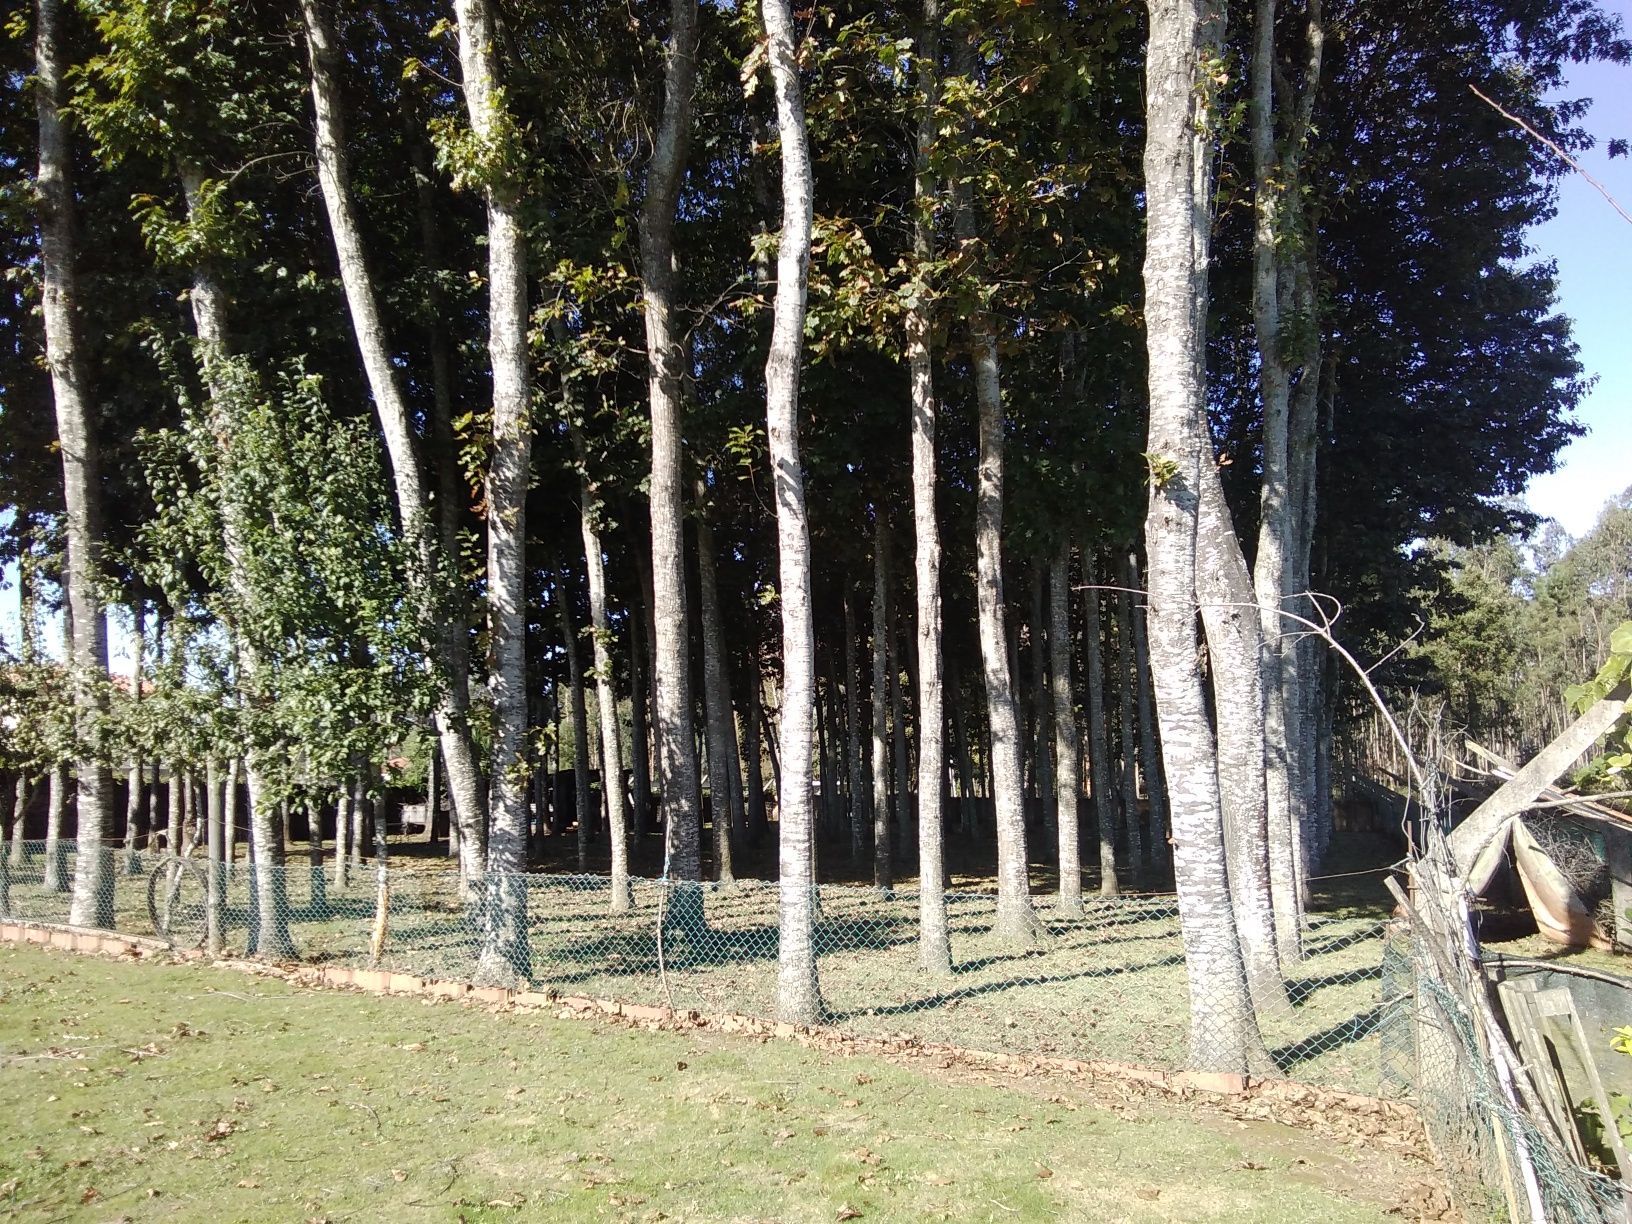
pixel 1565 157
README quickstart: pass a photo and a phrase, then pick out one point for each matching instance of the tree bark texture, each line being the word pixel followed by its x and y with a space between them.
pixel 1178 188
pixel 505 956
pixel 672 710
pixel 878 790
pixel 582 798
pixel 1099 738
pixel 1224 587
pixel 722 759
pixel 1067 743
pixel 606 689
pixel 934 939
pixel 798 994
pixel 92 903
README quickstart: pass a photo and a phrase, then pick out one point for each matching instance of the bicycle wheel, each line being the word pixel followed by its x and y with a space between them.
pixel 177 902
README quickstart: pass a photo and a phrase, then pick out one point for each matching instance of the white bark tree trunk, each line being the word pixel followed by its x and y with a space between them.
pixel 1129 737
pixel 1225 593
pixel 92 903
pixel 724 797
pixel 798 994
pixel 672 708
pixel 1178 191
pixel 878 789
pixel 1099 739
pixel 505 956
pixel 136 812
pixel 1280 254
pixel 1150 765
pixel 606 688
pixel 429 572
pixel 1067 746
pixel 582 799
pixel 934 939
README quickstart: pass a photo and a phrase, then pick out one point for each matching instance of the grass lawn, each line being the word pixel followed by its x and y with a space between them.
pixel 167 1091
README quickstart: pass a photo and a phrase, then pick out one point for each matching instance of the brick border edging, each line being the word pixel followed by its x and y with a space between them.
pixel 389 982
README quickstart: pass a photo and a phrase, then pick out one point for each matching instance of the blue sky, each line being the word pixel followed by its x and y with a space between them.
pixel 1593 248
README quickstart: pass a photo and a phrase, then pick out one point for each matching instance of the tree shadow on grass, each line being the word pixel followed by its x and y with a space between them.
pixel 1348 1031
pixel 942 998
pixel 1299 990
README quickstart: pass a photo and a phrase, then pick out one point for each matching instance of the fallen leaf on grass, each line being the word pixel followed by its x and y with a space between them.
pixel 848 1212
pixel 1044 1172
pixel 509 1202
pixel 1148 1193
pixel 248 1183
pixel 90 1194
pixel 397 1175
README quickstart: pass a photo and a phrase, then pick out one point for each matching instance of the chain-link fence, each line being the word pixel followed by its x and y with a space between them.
pixel 1108 983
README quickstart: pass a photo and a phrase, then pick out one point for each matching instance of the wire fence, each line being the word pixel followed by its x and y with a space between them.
pixel 1369 1007
pixel 1108 983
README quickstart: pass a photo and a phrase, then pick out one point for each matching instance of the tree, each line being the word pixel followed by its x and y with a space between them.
pixel 1180 83
pixel 934 942
pixel 491 165
pixel 429 574
pixel 798 994
pixel 676 751
pixel 81 493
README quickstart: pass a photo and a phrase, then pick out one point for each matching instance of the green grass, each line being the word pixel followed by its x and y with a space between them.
pixel 182 1092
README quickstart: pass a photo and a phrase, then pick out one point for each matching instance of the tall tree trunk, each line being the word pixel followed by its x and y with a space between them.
pixel 92 903
pixel 229 814
pixel 878 790
pixel 1067 747
pixel 1178 190
pixel 722 761
pixel 606 688
pixel 1150 763
pixel 1233 637
pixel 1133 825
pixel 55 879
pixel 506 956
pixel 860 817
pixel 135 791
pixel 1041 705
pixel 583 802
pixel 343 817
pixel 901 797
pixel 798 995
pixel 639 736
pixel 752 721
pixel 676 746
pixel 442 627
pixel 1279 274
pixel 934 940
pixel 358 829
pixel 1016 919
pixel 214 882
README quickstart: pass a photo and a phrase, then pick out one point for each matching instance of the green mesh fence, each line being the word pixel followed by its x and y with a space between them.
pixel 1109 983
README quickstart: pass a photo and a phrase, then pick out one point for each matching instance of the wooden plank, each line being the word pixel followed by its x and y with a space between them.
pixel 1618 848
pixel 1522 789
